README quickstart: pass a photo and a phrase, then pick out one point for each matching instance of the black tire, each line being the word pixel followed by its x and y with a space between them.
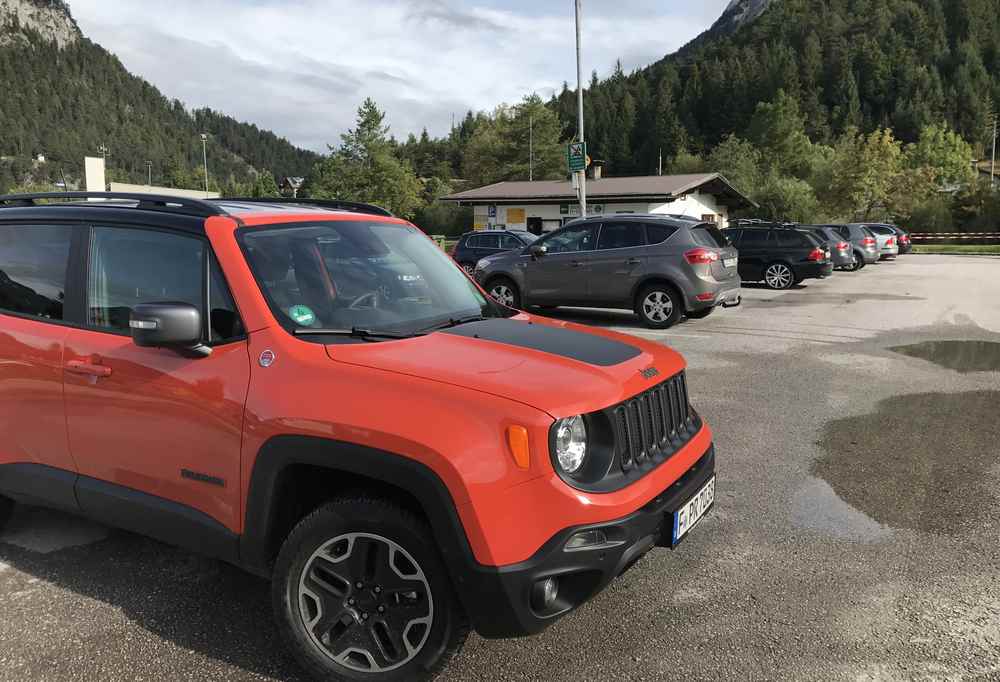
pixel 395 548
pixel 511 299
pixel 779 276
pixel 659 306
pixel 699 314
pixel 859 263
pixel 6 509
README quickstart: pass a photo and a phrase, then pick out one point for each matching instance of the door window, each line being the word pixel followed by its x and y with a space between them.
pixel 571 240
pixel 129 267
pixel 620 236
pixel 33 264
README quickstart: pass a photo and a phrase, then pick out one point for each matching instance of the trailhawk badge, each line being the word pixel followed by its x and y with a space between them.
pixel 650 373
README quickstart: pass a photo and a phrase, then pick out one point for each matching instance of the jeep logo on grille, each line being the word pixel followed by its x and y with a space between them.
pixel 650 373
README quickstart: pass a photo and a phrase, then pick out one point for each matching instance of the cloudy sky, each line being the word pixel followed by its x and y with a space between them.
pixel 302 67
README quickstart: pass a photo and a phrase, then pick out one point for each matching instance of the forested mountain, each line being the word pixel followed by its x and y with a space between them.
pixel 898 64
pixel 65 97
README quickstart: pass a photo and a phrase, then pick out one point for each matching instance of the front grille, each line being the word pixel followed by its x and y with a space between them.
pixel 653 425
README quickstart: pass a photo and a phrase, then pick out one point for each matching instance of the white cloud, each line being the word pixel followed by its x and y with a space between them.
pixel 302 67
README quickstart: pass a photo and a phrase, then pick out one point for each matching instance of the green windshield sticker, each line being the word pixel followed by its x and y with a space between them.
pixel 302 315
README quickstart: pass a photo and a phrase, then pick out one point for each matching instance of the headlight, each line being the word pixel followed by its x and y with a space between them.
pixel 481 265
pixel 571 444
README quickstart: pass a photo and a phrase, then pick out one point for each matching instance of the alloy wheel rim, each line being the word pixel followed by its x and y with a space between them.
pixel 365 603
pixel 503 294
pixel 658 306
pixel 779 277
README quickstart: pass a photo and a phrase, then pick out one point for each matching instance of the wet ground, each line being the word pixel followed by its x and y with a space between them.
pixel 856 534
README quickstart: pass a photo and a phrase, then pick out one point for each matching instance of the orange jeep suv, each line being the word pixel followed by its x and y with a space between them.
pixel 316 392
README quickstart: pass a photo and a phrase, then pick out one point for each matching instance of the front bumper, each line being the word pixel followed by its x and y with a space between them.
pixel 504 595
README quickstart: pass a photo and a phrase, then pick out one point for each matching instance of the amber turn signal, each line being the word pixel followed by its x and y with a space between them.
pixel 517 439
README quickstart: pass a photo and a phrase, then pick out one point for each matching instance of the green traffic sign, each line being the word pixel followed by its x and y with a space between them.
pixel 576 155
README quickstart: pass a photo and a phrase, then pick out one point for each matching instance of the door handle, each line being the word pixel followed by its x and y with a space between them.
pixel 87 369
pixel 633 261
pixel 575 264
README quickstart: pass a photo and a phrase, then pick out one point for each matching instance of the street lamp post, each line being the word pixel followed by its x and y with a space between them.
pixel 204 157
pixel 149 173
pixel 579 105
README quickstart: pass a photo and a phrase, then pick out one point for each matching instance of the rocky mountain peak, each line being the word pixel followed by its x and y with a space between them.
pixel 49 18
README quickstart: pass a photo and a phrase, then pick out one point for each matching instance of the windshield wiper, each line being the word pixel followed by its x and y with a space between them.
pixel 356 333
pixel 453 322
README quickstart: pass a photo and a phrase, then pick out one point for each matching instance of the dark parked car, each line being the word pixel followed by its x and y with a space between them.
pixel 841 253
pixel 863 242
pixel 780 256
pixel 660 267
pixel 473 246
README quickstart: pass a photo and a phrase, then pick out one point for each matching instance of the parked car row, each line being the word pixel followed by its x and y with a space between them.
pixel 664 267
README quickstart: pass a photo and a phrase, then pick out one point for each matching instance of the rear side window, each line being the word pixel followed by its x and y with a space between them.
pixel 882 230
pixel 708 235
pixel 657 234
pixel 33 264
pixel 620 236
pixel 489 241
pixel 509 242
pixel 789 239
pixel 844 231
pixel 755 238
pixel 131 266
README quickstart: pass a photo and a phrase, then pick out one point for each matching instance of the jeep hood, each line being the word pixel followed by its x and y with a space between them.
pixel 558 367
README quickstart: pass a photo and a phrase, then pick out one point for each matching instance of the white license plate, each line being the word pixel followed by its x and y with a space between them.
pixel 692 512
pixel 730 262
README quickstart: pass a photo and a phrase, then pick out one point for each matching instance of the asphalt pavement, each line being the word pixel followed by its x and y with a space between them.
pixel 856 533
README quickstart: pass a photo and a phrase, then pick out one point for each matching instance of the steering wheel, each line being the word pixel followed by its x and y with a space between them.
pixel 371 295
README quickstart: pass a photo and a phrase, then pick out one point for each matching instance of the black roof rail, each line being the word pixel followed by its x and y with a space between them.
pixel 334 204
pixel 149 202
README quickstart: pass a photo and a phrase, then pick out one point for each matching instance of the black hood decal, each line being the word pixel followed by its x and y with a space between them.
pixel 588 348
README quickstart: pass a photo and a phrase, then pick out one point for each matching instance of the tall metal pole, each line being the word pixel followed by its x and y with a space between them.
pixel 149 173
pixel 579 105
pixel 204 156
pixel 531 148
pixel 993 164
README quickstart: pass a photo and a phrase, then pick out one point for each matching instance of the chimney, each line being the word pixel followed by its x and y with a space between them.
pixel 597 169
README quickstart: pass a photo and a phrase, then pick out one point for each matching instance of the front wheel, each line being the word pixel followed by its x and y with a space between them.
pixel 361 593
pixel 505 292
pixel 659 306
pixel 779 276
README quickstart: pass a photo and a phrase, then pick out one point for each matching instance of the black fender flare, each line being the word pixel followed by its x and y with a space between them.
pixel 418 480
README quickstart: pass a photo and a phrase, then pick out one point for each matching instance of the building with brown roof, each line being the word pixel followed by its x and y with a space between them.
pixel 547 205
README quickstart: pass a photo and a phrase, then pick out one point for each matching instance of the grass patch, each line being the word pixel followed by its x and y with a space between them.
pixel 981 249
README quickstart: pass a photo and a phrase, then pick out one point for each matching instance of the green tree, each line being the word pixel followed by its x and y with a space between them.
pixel 777 129
pixel 944 152
pixel 264 185
pixel 864 172
pixel 739 161
pixel 786 198
pixel 365 168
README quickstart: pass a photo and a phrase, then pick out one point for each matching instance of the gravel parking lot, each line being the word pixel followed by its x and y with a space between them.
pixel 855 534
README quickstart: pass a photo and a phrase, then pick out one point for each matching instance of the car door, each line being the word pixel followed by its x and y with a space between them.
pixel 509 242
pixel 487 244
pixel 753 252
pixel 156 433
pixel 35 459
pixel 619 262
pixel 560 276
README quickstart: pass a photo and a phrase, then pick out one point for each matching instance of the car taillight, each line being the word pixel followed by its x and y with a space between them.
pixel 891 242
pixel 842 246
pixel 701 256
pixel 817 255
pixel 868 241
pixel 904 239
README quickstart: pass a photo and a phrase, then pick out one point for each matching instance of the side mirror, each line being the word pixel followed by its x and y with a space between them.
pixel 168 325
pixel 537 250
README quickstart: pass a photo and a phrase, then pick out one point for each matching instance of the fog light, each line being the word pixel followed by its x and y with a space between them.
pixel 586 540
pixel 543 595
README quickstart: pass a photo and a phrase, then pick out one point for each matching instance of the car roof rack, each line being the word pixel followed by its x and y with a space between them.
pixel 149 202
pixel 334 204
pixel 204 208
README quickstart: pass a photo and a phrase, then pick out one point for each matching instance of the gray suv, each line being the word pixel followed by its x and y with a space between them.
pixel 660 267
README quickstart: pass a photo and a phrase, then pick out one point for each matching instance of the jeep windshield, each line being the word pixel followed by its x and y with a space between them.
pixel 360 280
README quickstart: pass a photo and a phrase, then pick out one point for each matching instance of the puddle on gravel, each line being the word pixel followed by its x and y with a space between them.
pixel 921 461
pixel 817 507
pixel 817 298
pixel 963 356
